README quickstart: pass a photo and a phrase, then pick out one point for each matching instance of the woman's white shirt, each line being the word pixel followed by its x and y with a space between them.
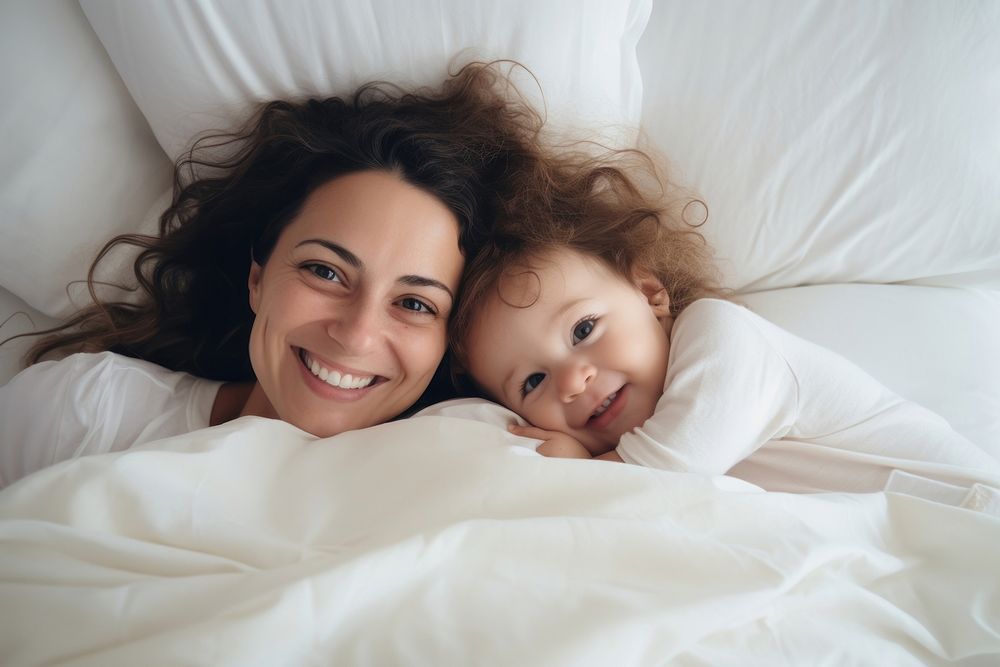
pixel 92 404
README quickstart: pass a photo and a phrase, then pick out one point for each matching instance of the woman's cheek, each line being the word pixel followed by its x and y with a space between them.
pixel 425 349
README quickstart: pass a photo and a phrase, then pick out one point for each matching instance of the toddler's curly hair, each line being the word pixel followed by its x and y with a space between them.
pixel 611 205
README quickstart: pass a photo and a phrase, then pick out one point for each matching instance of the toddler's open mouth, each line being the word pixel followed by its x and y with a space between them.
pixel 608 409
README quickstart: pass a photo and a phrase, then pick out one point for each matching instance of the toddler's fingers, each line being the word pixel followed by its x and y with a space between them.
pixel 529 432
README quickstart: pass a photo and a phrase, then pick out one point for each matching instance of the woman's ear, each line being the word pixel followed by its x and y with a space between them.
pixel 253 283
pixel 655 293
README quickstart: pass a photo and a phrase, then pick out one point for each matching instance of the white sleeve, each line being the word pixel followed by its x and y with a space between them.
pixel 727 392
pixel 37 418
pixel 92 404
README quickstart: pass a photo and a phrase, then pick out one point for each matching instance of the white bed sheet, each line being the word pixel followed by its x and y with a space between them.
pixel 437 541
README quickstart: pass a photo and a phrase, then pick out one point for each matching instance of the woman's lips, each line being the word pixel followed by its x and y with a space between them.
pixel 334 383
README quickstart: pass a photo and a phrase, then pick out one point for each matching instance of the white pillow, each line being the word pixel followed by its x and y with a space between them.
pixel 834 142
pixel 17 317
pixel 935 346
pixel 78 164
pixel 197 65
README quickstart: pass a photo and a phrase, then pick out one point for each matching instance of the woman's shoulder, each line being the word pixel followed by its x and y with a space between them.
pixel 92 403
pixel 101 378
pixel 84 365
pixel 67 368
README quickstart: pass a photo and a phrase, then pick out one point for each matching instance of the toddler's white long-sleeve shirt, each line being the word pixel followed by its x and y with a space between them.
pixel 746 398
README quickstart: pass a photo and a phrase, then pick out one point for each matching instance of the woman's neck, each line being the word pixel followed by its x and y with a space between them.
pixel 230 401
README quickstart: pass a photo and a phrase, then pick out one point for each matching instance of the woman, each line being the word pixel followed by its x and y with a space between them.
pixel 306 275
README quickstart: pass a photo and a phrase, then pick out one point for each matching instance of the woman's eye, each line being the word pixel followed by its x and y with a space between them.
pixel 416 305
pixel 583 329
pixel 323 272
pixel 531 383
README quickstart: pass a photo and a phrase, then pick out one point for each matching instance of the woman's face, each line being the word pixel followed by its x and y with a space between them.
pixel 352 305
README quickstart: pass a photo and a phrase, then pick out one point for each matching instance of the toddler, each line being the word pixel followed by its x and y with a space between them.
pixel 602 330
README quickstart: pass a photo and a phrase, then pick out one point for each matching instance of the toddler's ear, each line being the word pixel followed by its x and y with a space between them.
pixel 655 293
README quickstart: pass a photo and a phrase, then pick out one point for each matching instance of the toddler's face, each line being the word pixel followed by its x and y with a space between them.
pixel 588 357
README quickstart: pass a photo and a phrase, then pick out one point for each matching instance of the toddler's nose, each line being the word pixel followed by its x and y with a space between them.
pixel 573 379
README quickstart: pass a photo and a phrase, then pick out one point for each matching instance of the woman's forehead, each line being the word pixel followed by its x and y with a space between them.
pixel 369 201
pixel 383 221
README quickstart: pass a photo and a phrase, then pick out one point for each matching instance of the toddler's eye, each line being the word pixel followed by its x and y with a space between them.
pixel 531 383
pixel 582 329
pixel 416 305
pixel 323 272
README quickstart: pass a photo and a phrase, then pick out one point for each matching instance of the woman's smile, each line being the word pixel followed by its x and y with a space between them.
pixel 336 376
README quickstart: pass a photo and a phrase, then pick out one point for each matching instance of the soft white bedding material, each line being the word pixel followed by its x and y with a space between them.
pixel 17 317
pixel 79 163
pixel 196 65
pixel 435 541
pixel 936 346
pixel 833 141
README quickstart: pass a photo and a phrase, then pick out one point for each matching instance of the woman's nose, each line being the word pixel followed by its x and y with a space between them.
pixel 573 378
pixel 355 326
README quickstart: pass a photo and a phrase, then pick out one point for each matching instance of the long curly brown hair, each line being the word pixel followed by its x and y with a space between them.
pixel 235 192
pixel 613 205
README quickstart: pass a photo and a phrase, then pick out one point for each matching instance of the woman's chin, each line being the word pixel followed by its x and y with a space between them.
pixel 328 427
pixel 329 424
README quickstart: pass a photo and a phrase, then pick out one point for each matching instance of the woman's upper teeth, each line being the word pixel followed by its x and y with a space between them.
pixel 604 406
pixel 335 378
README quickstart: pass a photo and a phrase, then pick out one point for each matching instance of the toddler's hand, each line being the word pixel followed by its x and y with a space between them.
pixel 556 444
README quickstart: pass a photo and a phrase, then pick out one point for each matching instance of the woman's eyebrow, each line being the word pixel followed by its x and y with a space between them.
pixel 344 253
pixel 420 281
pixel 355 261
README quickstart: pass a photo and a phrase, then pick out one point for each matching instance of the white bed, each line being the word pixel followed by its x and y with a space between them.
pixel 850 157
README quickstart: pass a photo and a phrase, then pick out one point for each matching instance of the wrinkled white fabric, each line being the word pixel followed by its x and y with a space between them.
pixel 428 542
pixel 91 404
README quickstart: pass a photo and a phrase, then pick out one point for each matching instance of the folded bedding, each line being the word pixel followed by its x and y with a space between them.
pixel 439 540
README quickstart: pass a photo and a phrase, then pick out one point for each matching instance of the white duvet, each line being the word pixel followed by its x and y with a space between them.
pixel 436 541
